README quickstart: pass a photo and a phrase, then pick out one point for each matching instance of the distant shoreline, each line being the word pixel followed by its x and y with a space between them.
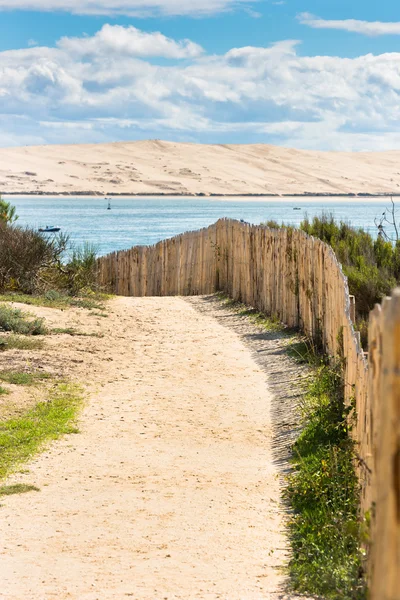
pixel 202 195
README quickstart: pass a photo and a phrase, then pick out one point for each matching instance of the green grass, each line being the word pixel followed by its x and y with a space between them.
pixel 54 299
pixel 18 342
pixel 17 488
pixel 22 377
pixel 22 437
pixel 304 352
pixel 3 391
pixel 16 321
pixel 95 303
pixel 262 320
pixel 325 529
pixel 269 323
pixel 31 300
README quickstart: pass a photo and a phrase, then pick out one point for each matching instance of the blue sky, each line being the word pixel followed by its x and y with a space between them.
pixel 302 73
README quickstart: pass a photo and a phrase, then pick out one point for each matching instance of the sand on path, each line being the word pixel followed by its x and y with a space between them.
pixel 170 489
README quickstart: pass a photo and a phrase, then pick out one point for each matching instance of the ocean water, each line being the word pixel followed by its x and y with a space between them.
pixel 143 221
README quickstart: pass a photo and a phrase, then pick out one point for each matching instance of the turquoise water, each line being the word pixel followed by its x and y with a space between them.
pixel 141 221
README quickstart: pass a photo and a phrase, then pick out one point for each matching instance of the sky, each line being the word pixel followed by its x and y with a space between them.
pixel 312 74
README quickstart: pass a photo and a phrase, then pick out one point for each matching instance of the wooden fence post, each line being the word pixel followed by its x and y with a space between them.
pixel 385 560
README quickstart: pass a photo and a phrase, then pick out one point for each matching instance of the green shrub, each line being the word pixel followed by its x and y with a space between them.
pixel 271 224
pixel 7 212
pixel 371 266
pixel 80 274
pixel 33 263
pixel 14 320
pixel 75 275
pixel 369 285
pixel 26 256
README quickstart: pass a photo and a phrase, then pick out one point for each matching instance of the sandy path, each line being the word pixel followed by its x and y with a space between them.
pixel 170 490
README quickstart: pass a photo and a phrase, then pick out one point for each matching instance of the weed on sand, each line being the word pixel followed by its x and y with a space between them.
pixel 23 377
pixel 16 321
pixel 22 437
pixel 17 488
pixel 74 332
pixel 90 303
pixel 54 299
pixel 19 342
pixel 269 323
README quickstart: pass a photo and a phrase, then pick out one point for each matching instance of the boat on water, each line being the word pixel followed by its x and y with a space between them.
pixel 109 205
pixel 49 229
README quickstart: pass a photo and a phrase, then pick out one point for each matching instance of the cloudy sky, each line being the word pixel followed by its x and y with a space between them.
pixel 301 73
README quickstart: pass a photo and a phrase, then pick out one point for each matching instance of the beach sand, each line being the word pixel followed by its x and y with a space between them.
pixel 155 167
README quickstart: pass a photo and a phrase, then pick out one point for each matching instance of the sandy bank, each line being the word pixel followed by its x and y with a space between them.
pixel 154 168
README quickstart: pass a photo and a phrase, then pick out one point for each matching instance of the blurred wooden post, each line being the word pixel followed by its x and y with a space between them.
pixel 352 308
pixel 385 555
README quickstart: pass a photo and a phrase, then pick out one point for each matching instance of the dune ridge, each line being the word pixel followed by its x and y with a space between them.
pixel 155 167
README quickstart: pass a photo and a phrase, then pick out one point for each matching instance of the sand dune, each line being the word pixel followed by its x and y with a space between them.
pixel 156 167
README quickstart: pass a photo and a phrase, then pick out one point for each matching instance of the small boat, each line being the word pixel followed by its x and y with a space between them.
pixel 49 229
pixel 109 205
pixel 296 208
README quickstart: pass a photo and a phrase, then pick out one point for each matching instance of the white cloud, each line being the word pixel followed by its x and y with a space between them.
pixel 113 86
pixel 129 41
pixel 371 28
pixel 128 7
pixel 253 13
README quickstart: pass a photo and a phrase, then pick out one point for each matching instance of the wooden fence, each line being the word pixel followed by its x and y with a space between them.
pixel 384 392
pixel 299 280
